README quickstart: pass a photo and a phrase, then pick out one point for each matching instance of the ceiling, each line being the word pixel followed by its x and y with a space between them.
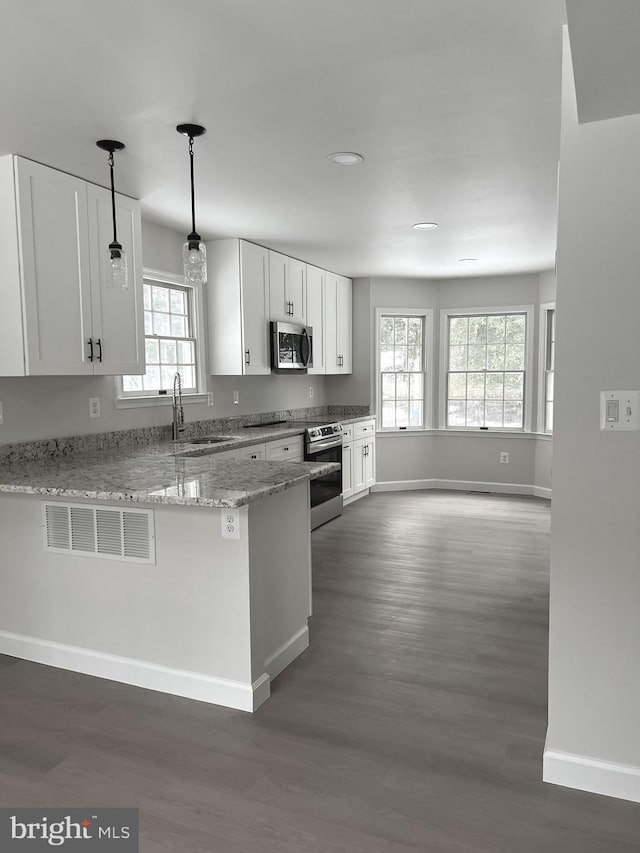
pixel 454 105
pixel 606 60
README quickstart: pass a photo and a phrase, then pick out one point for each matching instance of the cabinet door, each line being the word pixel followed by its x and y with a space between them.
pixel 370 464
pixel 331 360
pixel 254 274
pixel 54 242
pixel 315 315
pixel 359 462
pixel 118 328
pixel 344 324
pixel 295 289
pixel 347 470
pixel 278 306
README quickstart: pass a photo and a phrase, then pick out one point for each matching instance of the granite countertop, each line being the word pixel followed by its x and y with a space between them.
pixel 167 472
pixel 149 477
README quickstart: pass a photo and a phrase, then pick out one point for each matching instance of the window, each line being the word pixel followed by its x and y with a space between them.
pixel 170 342
pixel 402 371
pixel 485 359
pixel 549 361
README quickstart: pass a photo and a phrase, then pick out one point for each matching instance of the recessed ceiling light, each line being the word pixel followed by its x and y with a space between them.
pixel 346 158
pixel 467 260
pixel 425 226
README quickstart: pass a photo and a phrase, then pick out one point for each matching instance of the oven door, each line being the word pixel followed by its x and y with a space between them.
pixel 326 491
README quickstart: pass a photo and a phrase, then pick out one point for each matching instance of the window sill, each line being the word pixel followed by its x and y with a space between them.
pixel 459 433
pixel 164 400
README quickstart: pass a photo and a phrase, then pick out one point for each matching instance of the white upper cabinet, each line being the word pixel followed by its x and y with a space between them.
pixel 287 288
pixel 315 315
pixel 296 290
pixel 54 312
pixel 118 323
pixel 345 301
pixel 337 324
pixel 238 303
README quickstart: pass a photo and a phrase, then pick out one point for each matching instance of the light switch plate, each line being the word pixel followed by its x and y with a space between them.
pixel 619 410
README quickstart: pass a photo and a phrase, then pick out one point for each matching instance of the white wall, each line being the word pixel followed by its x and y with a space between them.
pixel 594 686
pixel 47 407
pixel 419 457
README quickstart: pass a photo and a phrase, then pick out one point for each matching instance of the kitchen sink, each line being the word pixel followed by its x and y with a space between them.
pixel 208 439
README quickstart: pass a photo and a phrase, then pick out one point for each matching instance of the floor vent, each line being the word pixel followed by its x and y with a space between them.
pixel 114 534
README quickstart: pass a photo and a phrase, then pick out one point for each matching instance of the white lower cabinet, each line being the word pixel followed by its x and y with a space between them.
pixel 358 458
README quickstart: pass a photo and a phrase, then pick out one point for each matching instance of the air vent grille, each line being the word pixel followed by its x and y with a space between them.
pixel 102 532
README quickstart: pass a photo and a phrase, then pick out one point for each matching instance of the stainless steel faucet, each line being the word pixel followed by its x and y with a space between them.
pixel 177 425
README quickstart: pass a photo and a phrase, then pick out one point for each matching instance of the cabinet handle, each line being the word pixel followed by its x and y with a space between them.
pixel 286 449
pixel 247 356
pixel 293 310
pixel 90 342
pixel 99 345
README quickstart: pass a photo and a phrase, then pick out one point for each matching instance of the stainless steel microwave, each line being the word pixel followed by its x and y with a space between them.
pixel 291 346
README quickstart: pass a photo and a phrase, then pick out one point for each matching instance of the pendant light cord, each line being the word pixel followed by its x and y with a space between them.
pixel 113 198
pixel 193 192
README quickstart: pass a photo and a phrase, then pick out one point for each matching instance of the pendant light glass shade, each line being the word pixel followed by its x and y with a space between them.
pixel 194 252
pixel 116 256
pixel 194 257
pixel 119 268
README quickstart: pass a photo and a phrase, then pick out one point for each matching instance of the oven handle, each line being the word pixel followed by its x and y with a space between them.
pixel 318 446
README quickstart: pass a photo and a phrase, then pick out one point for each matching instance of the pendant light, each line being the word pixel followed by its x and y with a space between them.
pixel 115 253
pixel 194 252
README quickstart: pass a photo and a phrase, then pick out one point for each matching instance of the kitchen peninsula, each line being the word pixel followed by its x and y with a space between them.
pixel 160 566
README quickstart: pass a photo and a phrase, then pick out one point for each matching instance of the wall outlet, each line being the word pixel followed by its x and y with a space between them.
pixel 311 390
pixel 230 523
pixel 236 398
pixel 94 407
pixel 504 457
pixel 1 414
pixel 210 398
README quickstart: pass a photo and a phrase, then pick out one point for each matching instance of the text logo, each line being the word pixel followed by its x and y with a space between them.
pixel 32 830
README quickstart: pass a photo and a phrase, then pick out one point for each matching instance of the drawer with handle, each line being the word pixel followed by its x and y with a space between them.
pixel 286 449
pixel 364 429
pixel 347 432
pixel 254 451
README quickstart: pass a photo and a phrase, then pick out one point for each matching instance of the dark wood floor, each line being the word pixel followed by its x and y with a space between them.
pixel 415 721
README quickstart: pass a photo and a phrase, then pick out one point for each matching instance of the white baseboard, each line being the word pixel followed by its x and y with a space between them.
pixel 540 492
pixel 287 653
pixel 462 486
pixel 193 685
pixel 592 775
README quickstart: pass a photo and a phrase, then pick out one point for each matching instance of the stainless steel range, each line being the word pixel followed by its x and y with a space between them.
pixel 323 443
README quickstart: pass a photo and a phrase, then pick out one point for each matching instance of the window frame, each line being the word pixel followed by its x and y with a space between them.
pixel 196 308
pixel 543 349
pixel 426 314
pixel 445 314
